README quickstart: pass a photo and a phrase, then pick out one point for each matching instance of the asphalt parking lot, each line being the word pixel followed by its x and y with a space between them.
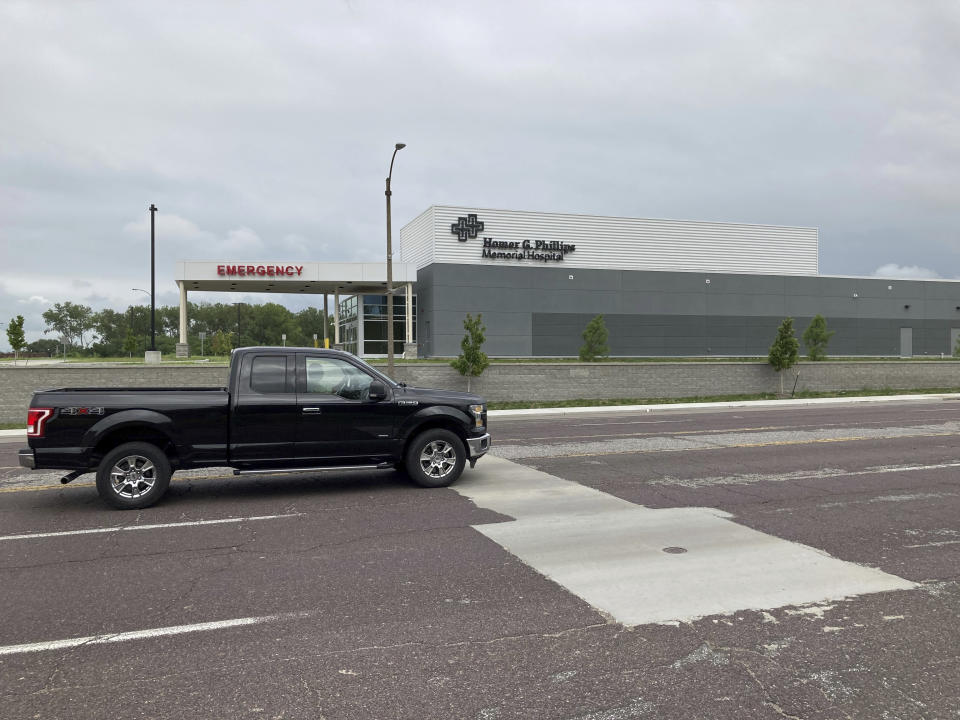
pixel 741 563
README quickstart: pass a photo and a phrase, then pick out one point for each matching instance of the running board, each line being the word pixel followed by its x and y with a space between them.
pixel 325 468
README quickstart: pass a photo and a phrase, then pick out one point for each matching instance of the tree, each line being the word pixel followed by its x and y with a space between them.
pixel 221 343
pixel 15 336
pixel 130 343
pixel 112 327
pixel 785 349
pixel 70 321
pixel 816 337
pixel 472 361
pixel 44 347
pixel 311 321
pixel 595 341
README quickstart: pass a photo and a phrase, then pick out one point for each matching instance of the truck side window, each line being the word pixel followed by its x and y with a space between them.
pixel 331 376
pixel 268 374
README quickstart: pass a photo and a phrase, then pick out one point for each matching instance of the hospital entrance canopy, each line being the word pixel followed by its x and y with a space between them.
pixel 289 277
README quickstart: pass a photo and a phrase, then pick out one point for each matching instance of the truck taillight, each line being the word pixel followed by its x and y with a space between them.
pixel 36 419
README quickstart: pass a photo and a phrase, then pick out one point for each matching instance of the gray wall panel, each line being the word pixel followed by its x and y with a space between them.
pixel 540 311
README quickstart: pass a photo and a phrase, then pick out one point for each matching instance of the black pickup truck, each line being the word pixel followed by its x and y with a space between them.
pixel 286 410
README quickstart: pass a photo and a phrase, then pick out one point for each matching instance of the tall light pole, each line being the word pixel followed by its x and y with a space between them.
pixel 398 146
pixel 153 280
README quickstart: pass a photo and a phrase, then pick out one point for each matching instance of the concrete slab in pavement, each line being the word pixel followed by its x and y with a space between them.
pixel 640 566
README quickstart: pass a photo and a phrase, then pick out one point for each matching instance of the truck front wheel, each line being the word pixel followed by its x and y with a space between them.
pixel 133 475
pixel 435 458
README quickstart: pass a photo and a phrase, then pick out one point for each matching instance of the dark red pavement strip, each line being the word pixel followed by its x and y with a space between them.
pixel 341 549
pixel 77 506
pixel 885 653
pixel 631 475
pixel 723 420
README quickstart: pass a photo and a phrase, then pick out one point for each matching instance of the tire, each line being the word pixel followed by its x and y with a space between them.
pixel 133 475
pixel 435 458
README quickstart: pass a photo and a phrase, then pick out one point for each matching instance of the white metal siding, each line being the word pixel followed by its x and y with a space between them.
pixel 619 243
pixel 417 240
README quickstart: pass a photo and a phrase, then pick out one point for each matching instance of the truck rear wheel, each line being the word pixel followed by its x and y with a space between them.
pixel 435 458
pixel 133 475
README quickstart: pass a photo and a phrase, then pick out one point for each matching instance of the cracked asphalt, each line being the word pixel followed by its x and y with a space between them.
pixel 382 601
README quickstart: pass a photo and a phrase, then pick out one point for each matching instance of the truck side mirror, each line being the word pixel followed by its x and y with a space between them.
pixel 377 391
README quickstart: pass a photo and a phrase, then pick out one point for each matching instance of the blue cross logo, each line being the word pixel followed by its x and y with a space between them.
pixel 466 227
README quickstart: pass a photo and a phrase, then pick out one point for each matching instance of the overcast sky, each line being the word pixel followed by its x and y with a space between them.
pixel 263 130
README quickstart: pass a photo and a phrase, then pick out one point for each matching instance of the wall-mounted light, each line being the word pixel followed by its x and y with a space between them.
pixel 570 277
pixel 707 281
pixel 889 287
pixel 855 295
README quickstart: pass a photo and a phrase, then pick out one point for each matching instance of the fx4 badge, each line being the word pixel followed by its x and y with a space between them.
pixel 82 411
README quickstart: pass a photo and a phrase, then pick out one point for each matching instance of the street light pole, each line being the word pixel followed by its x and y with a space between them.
pixel 153 280
pixel 398 146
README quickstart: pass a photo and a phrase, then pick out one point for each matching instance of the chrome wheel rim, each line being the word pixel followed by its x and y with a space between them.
pixel 438 459
pixel 133 476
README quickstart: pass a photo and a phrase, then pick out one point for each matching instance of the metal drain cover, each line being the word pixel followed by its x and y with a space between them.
pixel 674 550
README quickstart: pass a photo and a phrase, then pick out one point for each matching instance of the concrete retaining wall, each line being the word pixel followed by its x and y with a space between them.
pixel 525 381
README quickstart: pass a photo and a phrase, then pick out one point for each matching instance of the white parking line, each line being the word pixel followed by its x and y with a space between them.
pixel 633 422
pixel 142 634
pixel 126 528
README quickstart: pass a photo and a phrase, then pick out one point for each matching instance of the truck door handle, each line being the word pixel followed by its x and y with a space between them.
pixel 311 411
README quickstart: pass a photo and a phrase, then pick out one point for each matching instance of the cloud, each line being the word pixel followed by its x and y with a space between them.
pixel 267 131
pixel 892 270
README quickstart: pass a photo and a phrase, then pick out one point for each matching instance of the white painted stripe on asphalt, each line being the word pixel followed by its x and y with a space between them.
pixel 630 422
pixel 143 634
pixel 540 412
pixel 158 526
pixel 611 552
pixel 821 474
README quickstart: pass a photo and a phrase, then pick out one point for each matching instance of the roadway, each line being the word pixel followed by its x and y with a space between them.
pixel 737 563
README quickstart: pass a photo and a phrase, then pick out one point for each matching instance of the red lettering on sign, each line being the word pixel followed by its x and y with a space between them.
pixel 268 270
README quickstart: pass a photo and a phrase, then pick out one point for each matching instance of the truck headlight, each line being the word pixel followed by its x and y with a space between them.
pixel 478 412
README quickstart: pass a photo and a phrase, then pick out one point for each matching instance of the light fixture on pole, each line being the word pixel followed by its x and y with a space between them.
pixel 398 146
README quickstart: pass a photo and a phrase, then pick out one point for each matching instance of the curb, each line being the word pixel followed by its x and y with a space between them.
pixel 538 412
